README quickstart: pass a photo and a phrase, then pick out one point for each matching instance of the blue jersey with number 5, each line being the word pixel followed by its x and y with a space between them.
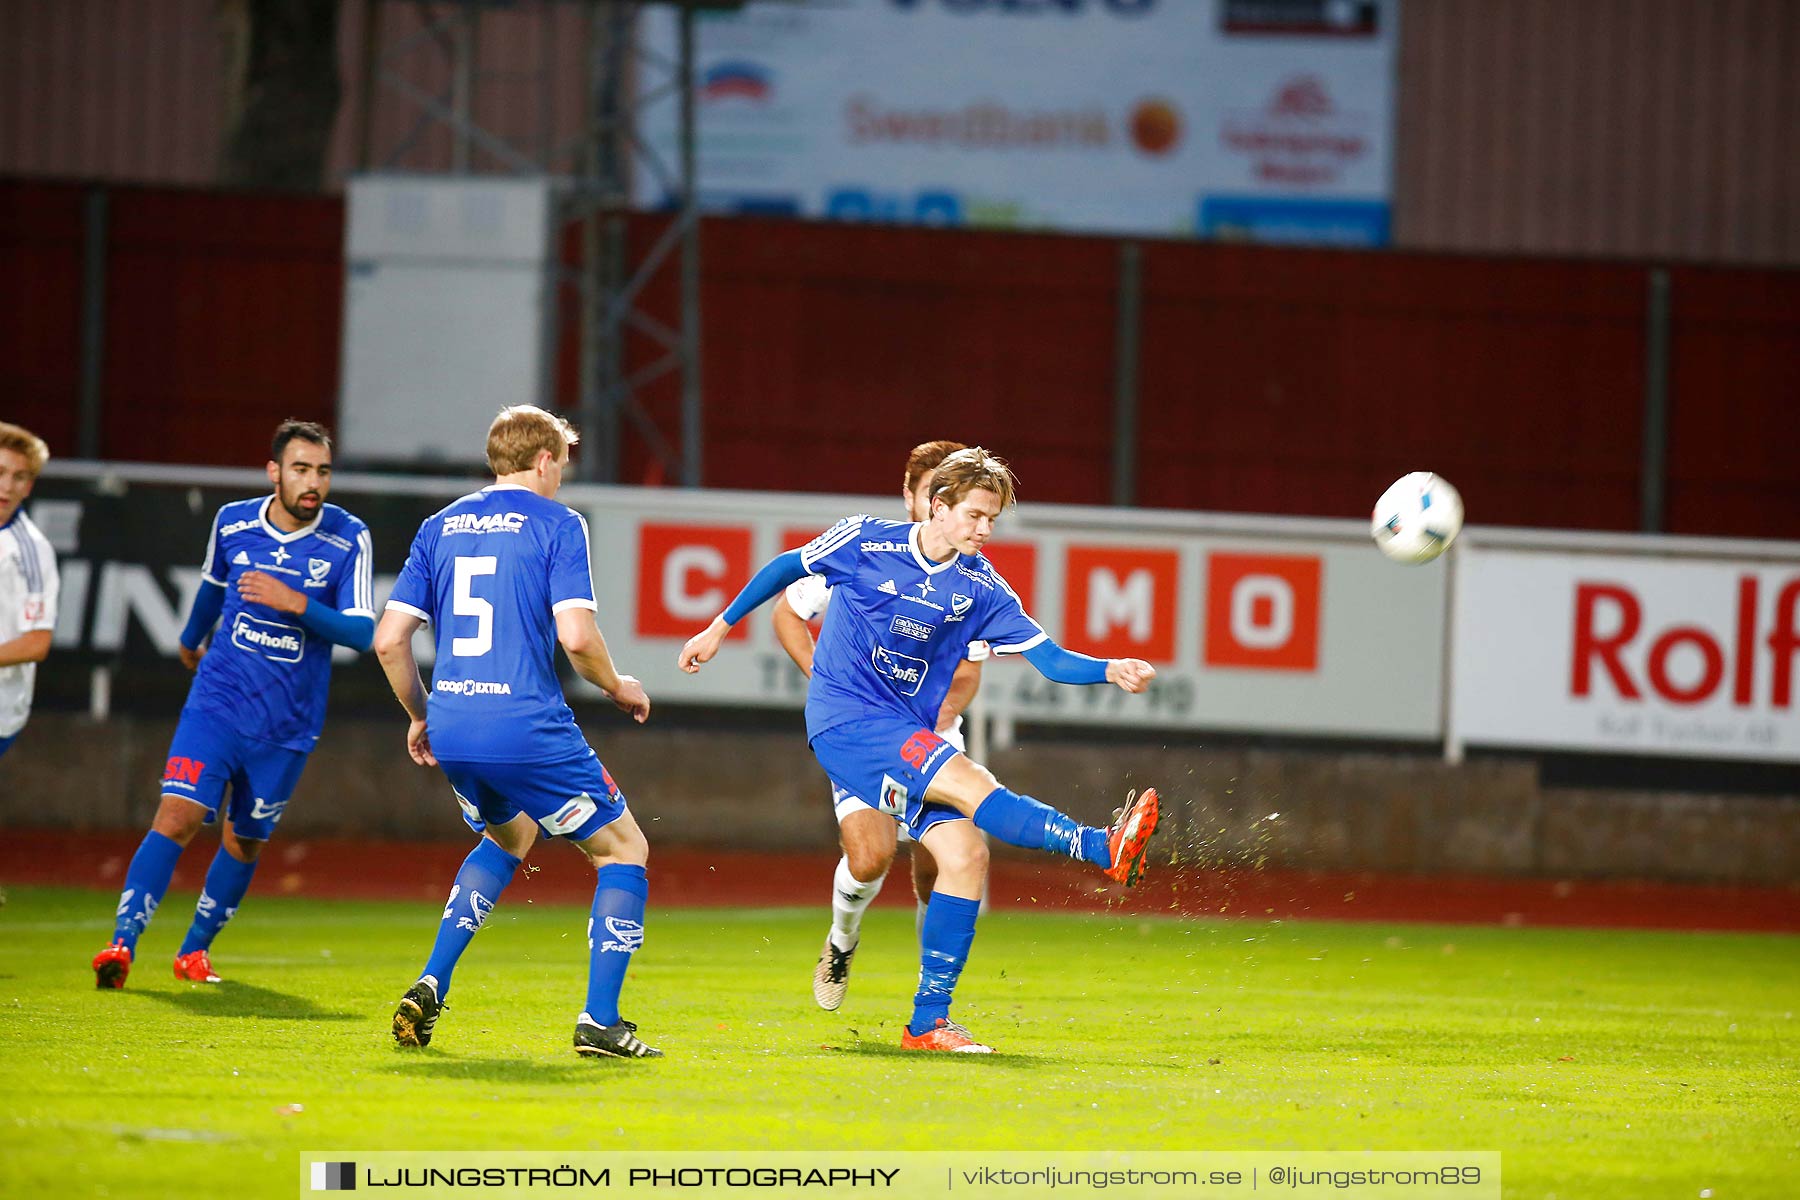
pixel 490 572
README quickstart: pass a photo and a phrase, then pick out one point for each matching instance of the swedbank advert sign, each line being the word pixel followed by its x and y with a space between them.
pixel 1626 654
pixel 1266 120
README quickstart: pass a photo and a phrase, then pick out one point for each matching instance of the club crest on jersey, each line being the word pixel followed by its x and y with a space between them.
pixel 959 606
pixel 316 570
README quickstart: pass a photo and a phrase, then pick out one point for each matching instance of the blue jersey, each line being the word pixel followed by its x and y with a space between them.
pixel 491 572
pixel 265 674
pixel 899 623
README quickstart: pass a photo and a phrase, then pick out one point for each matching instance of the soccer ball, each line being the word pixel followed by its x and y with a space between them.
pixel 1417 518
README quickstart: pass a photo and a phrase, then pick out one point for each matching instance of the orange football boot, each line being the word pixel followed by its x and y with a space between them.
pixel 1129 837
pixel 947 1035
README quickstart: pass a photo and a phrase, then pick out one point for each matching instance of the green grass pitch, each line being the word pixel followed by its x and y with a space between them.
pixel 1601 1064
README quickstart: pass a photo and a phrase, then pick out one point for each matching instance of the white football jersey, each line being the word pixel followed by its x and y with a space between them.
pixel 28 592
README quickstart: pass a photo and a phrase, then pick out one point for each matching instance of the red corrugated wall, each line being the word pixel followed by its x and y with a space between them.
pixel 1271 380
pixel 222 315
pixel 832 349
pixel 1734 386
pixel 1305 381
pixel 40 309
pixel 1285 381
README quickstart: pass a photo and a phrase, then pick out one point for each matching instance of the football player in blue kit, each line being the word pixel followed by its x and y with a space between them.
pixel 503 577
pixel 907 601
pixel 286 577
pixel 868 834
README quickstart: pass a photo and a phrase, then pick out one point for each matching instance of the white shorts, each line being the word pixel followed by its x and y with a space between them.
pixel 844 802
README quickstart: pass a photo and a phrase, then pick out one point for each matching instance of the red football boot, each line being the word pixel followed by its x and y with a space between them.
pixel 111 966
pixel 195 968
pixel 1129 837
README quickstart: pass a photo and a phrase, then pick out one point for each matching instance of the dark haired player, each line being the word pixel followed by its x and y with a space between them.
pixel 286 578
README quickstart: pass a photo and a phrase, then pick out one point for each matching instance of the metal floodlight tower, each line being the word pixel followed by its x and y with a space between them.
pixel 598 165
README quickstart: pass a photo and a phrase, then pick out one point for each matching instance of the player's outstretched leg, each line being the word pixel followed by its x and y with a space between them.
pixel 226 882
pixel 1117 850
pixel 146 880
pixel 484 875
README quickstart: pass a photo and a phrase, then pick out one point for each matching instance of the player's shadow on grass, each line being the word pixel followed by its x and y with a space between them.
pixel 234 999
pixel 413 1063
pixel 1004 1060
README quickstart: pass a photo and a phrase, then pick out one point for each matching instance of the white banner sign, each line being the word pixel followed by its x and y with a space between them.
pixel 1266 627
pixel 1262 119
pixel 1628 655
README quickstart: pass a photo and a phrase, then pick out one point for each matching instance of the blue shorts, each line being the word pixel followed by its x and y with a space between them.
pixel 206 756
pixel 574 799
pixel 891 759
pixel 6 743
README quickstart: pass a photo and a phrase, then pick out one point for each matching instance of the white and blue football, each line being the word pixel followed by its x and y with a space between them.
pixel 1417 518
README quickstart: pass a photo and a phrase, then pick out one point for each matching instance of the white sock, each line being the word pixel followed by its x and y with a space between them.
pixel 850 896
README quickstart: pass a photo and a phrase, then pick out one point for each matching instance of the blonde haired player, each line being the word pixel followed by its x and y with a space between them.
pixel 909 600
pixel 870 836
pixel 28 580
pixel 504 578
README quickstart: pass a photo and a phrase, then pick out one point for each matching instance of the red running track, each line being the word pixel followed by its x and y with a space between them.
pixel 680 875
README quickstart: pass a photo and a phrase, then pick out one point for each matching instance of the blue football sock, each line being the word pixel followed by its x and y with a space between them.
pixel 484 875
pixel 949 931
pixel 226 882
pixel 615 931
pixel 1021 821
pixel 146 879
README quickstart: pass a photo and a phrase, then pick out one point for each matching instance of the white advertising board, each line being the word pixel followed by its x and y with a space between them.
pixel 447 305
pixel 1625 654
pixel 1262 119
